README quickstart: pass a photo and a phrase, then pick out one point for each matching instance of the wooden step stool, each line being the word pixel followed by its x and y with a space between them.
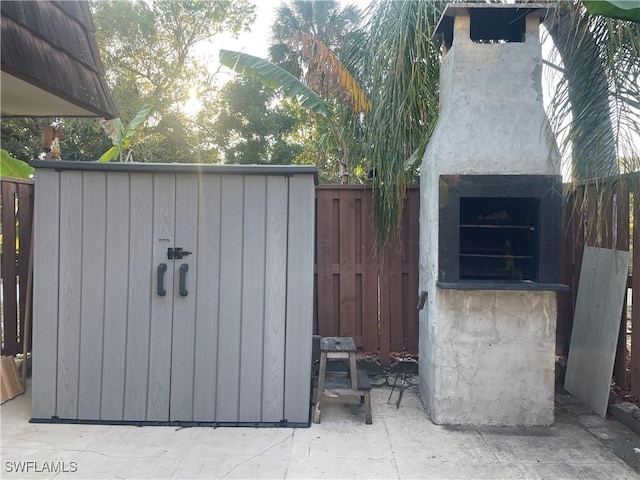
pixel 356 383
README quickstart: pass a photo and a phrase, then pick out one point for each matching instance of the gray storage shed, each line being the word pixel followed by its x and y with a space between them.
pixel 172 293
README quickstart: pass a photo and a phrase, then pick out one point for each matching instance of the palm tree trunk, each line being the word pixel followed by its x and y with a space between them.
pixel 591 133
pixel 344 172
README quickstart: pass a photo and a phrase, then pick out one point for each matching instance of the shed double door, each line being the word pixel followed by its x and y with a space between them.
pixel 219 335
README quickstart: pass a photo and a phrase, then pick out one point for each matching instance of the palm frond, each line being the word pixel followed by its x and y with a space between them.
pixel 329 76
pixel 594 107
pixel 403 60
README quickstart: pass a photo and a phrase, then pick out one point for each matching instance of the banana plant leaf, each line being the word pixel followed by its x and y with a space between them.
pixel 121 136
pixel 619 9
pixel 110 154
pixel 273 76
pixel 140 117
pixel 11 167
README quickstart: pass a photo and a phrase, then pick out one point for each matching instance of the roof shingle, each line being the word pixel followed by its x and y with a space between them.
pixel 52 46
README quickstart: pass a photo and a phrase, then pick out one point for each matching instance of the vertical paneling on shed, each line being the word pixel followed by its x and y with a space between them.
pixel 229 341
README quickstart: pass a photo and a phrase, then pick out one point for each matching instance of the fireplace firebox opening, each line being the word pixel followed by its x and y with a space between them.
pixel 499 238
pixel 500 232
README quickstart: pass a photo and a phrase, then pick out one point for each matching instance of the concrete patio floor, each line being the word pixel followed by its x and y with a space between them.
pixel 401 443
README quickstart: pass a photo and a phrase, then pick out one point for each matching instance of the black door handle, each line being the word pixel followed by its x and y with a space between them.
pixel 184 268
pixel 161 269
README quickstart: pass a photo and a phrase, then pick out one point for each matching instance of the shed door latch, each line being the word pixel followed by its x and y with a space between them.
pixel 177 253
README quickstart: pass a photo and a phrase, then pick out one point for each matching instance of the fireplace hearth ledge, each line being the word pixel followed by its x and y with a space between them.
pixel 503 285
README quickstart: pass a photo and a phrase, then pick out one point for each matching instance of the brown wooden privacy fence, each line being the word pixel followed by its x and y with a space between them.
pixel 16 224
pixel 601 214
pixel 371 296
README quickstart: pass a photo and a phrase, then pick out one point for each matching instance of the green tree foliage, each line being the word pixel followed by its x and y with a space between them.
pixel 148 51
pixel 252 125
pixel 83 139
pixel 316 136
pixel 313 40
pixel 21 137
pixel 148 47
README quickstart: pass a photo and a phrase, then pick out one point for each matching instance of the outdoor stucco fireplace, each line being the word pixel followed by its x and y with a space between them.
pixel 490 224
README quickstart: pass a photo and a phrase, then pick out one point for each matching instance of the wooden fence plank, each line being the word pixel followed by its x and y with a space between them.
pixel 369 278
pixel 357 243
pixel 580 240
pixel 411 296
pixel 395 299
pixel 605 220
pixel 635 309
pixel 567 256
pixel 11 344
pixel 347 264
pixel 25 218
pixel 385 306
pixel 404 268
pixel 575 240
pixel 327 324
pixel 619 226
pixel 592 209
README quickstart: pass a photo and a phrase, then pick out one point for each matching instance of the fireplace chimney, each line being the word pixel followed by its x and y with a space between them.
pixel 491 195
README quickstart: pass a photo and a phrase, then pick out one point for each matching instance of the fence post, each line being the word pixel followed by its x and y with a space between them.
pixel 620 228
pixel 635 296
